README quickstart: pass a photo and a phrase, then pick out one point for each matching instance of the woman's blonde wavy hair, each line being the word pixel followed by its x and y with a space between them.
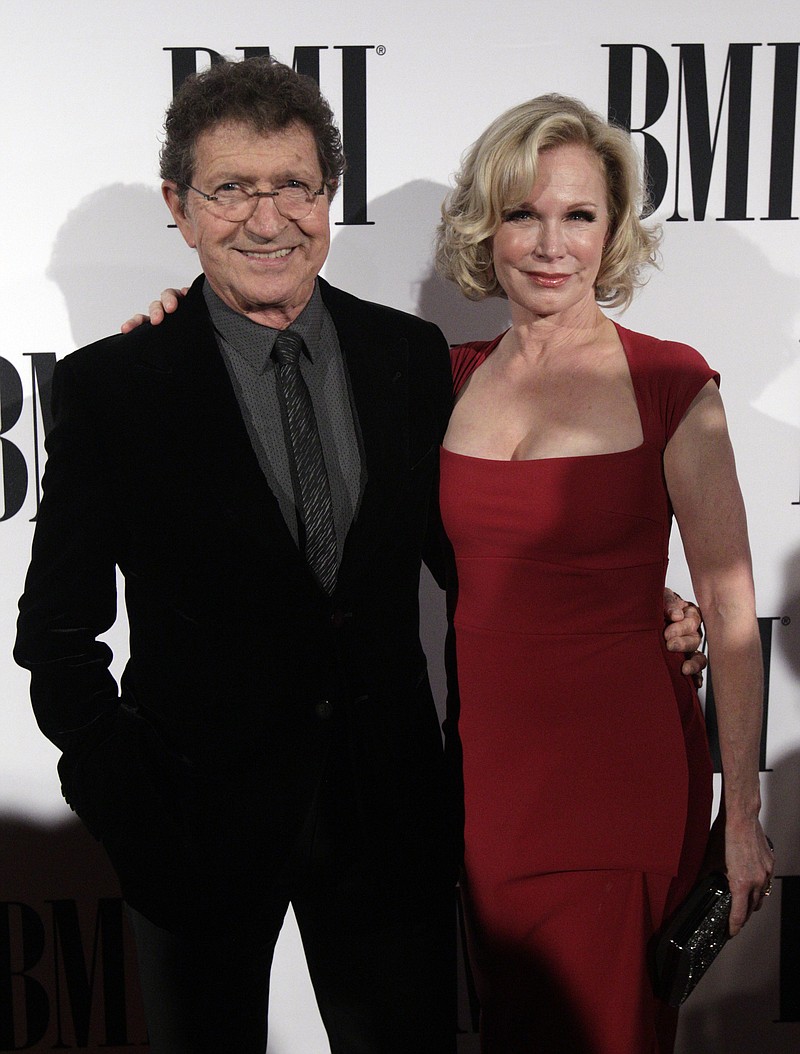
pixel 497 173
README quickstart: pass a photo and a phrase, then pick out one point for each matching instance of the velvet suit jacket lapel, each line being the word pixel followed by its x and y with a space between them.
pixel 377 363
pixel 202 419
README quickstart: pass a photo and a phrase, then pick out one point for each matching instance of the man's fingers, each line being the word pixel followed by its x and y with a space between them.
pixel 156 311
pixel 694 665
pixel 683 620
pixel 132 323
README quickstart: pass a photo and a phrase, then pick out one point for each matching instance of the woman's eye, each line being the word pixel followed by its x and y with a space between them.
pixel 583 215
pixel 518 216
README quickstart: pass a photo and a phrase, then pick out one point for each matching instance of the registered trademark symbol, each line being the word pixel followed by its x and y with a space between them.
pixel 380 50
pixel 785 620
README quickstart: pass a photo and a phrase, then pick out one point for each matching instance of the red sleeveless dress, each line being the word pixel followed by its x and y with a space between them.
pixel 586 766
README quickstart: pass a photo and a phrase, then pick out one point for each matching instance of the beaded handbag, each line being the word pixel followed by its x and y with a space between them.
pixel 692 939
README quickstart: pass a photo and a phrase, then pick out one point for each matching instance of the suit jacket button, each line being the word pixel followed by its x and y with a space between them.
pixel 338 618
pixel 323 710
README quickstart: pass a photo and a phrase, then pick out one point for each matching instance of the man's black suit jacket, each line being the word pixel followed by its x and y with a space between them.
pixel 197 771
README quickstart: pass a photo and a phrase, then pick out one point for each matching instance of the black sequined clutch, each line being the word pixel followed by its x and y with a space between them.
pixel 692 939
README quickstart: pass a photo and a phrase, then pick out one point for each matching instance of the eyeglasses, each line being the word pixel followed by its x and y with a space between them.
pixel 232 201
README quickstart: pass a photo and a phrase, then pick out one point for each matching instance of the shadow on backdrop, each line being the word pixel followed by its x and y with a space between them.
pixel 68 961
pixel 113 254
pixel 394 264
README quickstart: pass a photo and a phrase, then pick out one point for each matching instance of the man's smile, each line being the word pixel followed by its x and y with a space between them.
pixel 264 254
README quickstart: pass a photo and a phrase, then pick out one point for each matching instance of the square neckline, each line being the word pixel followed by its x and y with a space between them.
pixel 491 347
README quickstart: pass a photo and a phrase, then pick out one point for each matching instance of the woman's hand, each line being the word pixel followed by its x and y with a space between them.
pixel 740 848
pixel 168 302
pixel 749 864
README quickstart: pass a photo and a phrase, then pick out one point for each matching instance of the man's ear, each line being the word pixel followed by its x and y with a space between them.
pixel 177 207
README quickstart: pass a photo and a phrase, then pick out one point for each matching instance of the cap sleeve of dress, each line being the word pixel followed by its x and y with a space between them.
pixel 666 378
pixel 466 358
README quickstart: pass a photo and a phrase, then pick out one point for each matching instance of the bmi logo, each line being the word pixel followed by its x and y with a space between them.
pixel 696 115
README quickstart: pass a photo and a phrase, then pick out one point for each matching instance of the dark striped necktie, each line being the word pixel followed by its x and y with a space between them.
pixel 309 475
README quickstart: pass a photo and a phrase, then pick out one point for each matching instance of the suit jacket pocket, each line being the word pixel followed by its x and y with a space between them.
pixel 130 771
pixel 84 776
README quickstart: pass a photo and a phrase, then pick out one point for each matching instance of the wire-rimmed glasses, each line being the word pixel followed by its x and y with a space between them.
pixel 232 201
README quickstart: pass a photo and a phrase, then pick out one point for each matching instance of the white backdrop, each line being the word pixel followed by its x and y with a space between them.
pixel 84 86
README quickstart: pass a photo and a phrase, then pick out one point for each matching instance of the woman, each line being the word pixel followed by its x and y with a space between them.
pixel 572 442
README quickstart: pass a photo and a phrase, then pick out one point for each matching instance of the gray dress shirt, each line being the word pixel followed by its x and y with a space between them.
pixel 246 349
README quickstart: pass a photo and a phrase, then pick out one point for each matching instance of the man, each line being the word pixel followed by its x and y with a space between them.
pixel 274 738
